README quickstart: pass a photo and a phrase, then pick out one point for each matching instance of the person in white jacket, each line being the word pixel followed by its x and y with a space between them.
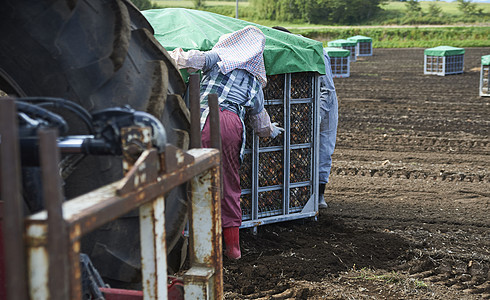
pixel 329 116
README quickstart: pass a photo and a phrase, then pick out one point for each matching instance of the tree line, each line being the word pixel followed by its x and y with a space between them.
pixel 339 12
pixel 317 11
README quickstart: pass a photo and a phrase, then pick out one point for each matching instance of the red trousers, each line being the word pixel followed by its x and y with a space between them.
pixel 231 142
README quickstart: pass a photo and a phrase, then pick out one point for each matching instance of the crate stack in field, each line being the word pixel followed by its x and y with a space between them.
pixel 485 76
pixel 443 60
pixel 339 61
pixel 345 44
pixel 278 174
pixel 364 45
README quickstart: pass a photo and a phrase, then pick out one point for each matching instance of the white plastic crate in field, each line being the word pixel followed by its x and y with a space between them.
pixel 364 45
pixel 485 76
pixel 443 60
pixel 279 176
pixel 345 44
pixel 339 61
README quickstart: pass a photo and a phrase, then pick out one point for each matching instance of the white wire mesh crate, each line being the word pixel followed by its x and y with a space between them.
pixel 485 76
pixel 443 60
pixel 278 175
pixel 347 45
pixel 364 45
pixel 339 61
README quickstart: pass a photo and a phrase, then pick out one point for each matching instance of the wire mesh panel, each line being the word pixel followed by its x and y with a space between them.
pixel 277 174
pixel 271 171
pixel 340 66
pixel 300 165
pixel 352 50
pixel 301 125
pixel 434 64
pixel 443 65
pixel 299 197
pixel 484 80
pixel 364 48
pixel 270 203
pixel 454 64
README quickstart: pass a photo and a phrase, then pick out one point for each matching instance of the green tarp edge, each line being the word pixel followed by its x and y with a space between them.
pixel 360 38
pixel 199 30
pixel 340 43
pixel 337 52
pixel 444 51
pixel 485 60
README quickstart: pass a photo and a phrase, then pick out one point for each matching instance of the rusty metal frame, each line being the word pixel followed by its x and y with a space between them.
pixel 144 185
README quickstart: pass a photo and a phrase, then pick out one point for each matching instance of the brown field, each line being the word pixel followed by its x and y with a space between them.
pixel 409 195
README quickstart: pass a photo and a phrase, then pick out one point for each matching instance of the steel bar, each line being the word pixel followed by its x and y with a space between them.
pixel 13 219
pixel 153 249
pixel 204 280
pixel 195 111
pixel 58 279
pixel 87 212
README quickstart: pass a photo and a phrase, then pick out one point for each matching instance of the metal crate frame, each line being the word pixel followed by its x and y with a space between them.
pixel 484 81
pixel 285 212
pixel 443 65
pixel 340 64
pixel 364 49
pixel 353 52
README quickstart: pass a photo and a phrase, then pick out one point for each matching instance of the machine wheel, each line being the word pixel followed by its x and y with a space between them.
pixel 99 54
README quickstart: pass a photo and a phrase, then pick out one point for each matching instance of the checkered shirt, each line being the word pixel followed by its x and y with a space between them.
pixel 221 84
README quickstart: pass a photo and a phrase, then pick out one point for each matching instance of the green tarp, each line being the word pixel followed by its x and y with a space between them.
pixel 200 30
pixel 444 51
pixel 485 60
pixel 341 43
pixel 360 38
pixel 336 52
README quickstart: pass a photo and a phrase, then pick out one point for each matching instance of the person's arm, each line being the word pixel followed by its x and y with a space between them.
pixel 211 59
pixel 260 120
pixel 194 59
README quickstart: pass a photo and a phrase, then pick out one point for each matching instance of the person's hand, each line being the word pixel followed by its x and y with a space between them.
pixel 276 130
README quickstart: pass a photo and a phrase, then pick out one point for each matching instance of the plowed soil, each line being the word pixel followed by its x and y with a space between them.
pixel 409 195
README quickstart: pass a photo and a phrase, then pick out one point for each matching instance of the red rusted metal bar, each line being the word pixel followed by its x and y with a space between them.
pixel 214 124
pixel 120 294
pixel 13 221
pixel 57 247
pixel 195 110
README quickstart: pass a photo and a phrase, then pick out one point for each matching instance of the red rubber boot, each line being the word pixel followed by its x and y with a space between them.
pixel 232 242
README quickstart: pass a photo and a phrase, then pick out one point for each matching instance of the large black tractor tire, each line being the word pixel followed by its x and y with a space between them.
pixel 99 54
